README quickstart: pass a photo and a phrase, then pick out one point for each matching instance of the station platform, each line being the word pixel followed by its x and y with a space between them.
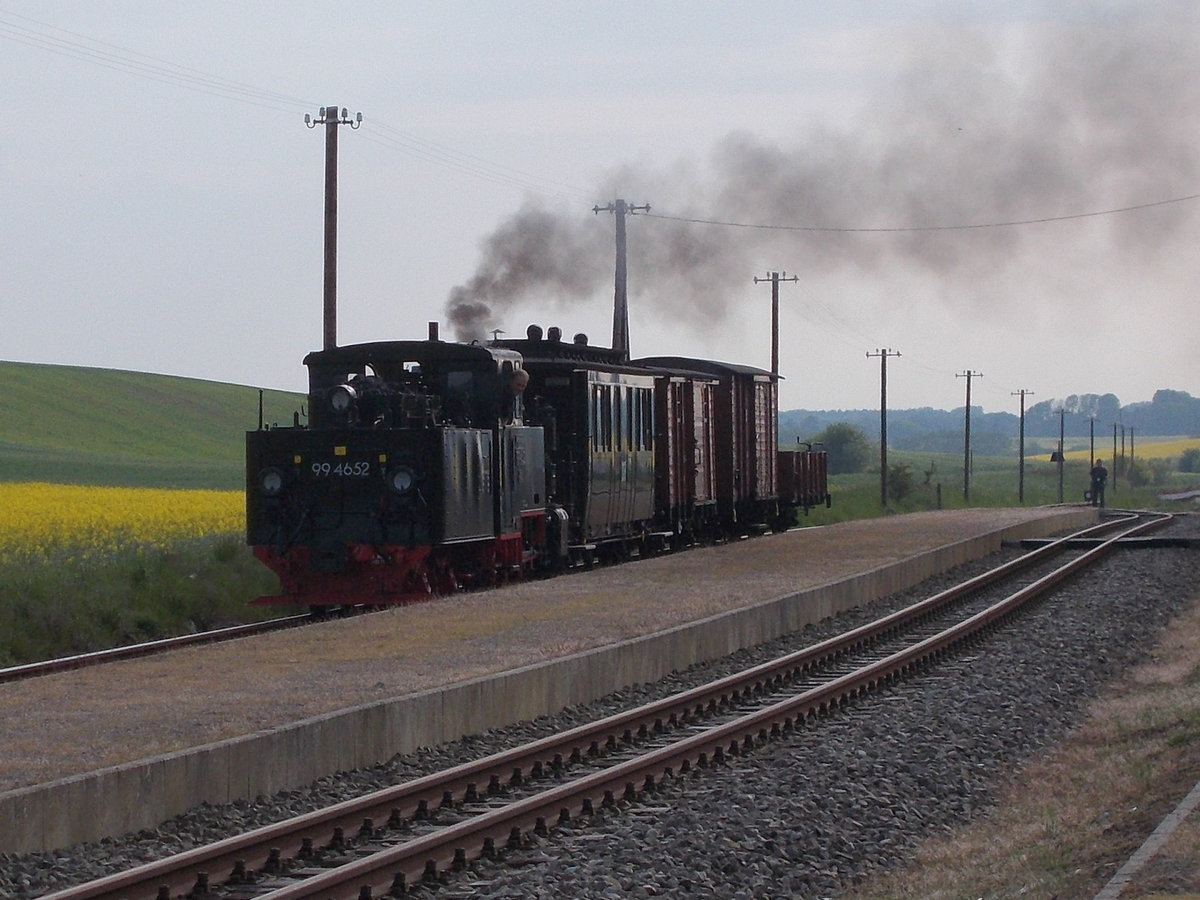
pixel 124 746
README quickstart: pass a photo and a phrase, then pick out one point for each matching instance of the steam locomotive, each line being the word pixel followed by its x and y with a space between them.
pixel 427 467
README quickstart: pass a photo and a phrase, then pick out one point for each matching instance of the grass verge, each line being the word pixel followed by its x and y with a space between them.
pixel 64 605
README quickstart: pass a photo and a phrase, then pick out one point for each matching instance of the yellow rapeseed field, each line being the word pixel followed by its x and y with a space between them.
pixel 1148 449
pixel 37 519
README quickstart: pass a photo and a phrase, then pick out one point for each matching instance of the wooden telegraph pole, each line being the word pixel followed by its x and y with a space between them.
pixel 967 435
pixel 620 338
pixel 883 473
pixel 775 278
pixel 330 118
pixel 1021 441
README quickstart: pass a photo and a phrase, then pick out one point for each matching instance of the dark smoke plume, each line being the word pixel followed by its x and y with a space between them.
pixel 534 254
pixel 1099 116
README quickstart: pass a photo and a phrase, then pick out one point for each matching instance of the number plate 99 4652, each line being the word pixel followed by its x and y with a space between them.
pixel 343 468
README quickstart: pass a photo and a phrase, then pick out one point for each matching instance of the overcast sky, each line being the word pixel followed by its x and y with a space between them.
pixel 999 188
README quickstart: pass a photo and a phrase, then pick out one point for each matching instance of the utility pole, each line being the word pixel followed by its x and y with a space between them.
pixel 1062 415
pixel 883 358
pixel 775 278
pixel 967 435
pixel 329 117
pixel 1021 466
pixel 620 338
pixel 1114 468
pixel 1122 466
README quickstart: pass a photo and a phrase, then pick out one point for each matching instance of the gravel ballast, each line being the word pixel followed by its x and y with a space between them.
pixel 800 817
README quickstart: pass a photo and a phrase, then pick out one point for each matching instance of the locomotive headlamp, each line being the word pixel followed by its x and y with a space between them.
pixel 270 481
pixel 342 398
pixel 401 479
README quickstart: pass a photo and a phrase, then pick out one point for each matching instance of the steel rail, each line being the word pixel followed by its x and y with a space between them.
pixel 147 648
pixel 261 848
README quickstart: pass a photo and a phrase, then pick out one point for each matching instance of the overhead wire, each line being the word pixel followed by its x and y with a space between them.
pixel 122 59
pixel 910 228
pixel 74 45
pixel 112 56
pixel 422 148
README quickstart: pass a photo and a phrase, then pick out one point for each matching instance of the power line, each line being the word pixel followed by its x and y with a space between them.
pixel 911 228
pixel 131 62
pixel 74 45
pixel 77 46
pixel 429 151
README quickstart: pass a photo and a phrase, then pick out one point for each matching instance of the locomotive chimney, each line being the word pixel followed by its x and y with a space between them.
pixel 433 331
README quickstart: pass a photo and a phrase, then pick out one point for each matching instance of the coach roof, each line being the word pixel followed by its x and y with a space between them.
pixel 707 366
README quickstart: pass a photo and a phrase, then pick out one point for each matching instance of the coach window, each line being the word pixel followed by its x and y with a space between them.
pixel 594 415
pixel 641 421
pixel 602 409
pixel 635 420
pixel 614 418
pixel 638 412
pixel 606 415
pixel 618 417
pixel 630 435
pixel 648 419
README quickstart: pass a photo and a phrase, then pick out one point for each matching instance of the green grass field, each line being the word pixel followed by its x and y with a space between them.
pixel 937 482
pixel 74 425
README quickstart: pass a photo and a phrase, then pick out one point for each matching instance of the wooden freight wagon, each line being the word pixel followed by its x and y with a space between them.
pixel 685 455
pixel 745 434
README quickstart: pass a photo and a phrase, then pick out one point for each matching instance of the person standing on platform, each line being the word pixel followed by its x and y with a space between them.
pixel 1099 479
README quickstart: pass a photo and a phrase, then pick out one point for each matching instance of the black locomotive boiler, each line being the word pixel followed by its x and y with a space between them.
pixel 426 467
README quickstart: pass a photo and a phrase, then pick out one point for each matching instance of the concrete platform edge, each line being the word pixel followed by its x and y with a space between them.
pixel 144 793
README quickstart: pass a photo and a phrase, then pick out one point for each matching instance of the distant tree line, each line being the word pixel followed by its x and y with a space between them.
pixel 1174 413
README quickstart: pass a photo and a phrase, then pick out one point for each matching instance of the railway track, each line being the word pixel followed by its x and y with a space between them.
pixel 390 840
pixel 148 648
